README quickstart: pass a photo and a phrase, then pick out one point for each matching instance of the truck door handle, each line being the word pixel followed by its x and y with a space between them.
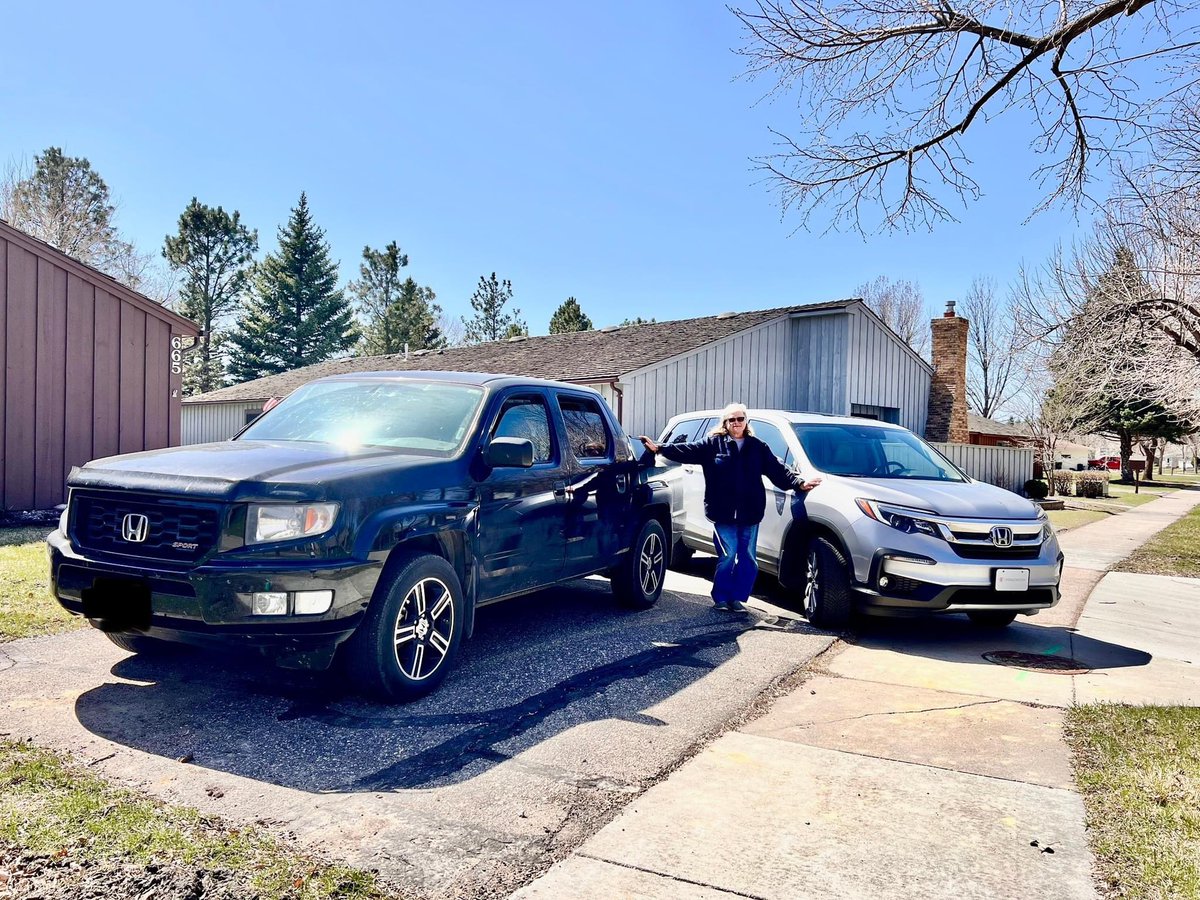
pixel 560 489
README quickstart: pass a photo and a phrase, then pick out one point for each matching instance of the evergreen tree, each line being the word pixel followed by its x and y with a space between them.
pixel 397 314
pixel 215 252
pixel 569 317
pixel 295 315
pixel 638 321
pixel 491 322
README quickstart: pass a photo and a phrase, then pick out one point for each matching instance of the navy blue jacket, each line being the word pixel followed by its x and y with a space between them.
pixel 733 488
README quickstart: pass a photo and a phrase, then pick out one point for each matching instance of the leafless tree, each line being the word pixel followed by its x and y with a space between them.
pixel 902 306
pixel 994 352
pixel 886 90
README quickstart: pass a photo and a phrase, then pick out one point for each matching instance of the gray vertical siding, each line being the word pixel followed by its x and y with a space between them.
pixel 882 372
pixel 205 422
pixel 818 357
pixel 754 367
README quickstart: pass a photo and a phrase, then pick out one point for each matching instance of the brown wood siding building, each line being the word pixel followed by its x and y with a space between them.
pixel 86 370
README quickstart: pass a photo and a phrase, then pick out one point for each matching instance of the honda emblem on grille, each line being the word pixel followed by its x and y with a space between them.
pixel 135 527
pixel 1002 536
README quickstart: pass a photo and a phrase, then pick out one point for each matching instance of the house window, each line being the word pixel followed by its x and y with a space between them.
pixel 889 414
pixel 251 415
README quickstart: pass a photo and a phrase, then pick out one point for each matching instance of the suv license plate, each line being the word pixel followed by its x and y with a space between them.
pixel 1012 579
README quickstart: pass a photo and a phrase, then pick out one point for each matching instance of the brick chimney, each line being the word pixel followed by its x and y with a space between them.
pixel 948 391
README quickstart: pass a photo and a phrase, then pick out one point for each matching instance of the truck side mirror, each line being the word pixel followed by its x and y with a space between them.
pixel 509 452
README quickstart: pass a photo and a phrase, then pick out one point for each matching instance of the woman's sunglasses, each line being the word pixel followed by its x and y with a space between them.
pixel 736 419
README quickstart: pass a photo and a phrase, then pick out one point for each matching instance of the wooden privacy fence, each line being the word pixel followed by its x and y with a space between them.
pixel 1006 467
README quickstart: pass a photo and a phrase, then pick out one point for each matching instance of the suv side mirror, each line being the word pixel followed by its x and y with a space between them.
pixel 510 452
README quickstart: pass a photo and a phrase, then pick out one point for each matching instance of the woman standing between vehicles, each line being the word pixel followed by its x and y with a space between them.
pixel 734 463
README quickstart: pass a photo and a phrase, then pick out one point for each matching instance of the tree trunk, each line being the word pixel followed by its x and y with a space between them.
pixel 1126 440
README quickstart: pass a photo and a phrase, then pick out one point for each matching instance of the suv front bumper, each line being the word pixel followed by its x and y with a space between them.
pixel 929 577
pixel 210 605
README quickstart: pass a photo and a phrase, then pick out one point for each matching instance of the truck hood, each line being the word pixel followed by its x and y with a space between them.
pixel 235 469
pixel 967 500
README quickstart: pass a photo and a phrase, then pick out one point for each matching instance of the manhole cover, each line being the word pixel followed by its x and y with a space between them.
pixel 1039 662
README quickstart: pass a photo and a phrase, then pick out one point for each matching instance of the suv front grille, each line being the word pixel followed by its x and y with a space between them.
pixel 981 551
pixel 178 531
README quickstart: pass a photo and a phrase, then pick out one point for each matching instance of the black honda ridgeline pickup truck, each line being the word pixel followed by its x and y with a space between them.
pixel 366 515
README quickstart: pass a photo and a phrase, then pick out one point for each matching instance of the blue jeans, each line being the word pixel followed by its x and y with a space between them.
pixel 736 566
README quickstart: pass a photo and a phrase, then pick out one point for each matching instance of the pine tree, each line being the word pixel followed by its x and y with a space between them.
pixel 636 321
pixel 569 317
pixel 491 322
pixel 215 251
pixel 295 315
pixel 397 314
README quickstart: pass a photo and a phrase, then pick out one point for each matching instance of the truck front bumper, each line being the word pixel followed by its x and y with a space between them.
pixel 212 604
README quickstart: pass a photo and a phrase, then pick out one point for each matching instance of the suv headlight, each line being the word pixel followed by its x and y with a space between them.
pixel 899 517
pixel 286 521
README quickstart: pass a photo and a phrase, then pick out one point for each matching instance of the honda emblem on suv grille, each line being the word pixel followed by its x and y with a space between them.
pixel 135 527
pixel 1002 536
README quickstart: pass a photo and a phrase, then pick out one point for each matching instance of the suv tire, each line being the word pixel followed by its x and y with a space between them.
pixel 140 643
pixel 637 578
pixel 827 599
pixel 987 618
pixel 408 641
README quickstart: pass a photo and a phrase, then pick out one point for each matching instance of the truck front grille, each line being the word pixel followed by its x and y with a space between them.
pixel 173 530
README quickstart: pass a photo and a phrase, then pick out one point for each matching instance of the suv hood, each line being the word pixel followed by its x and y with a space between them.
pixel 230 469
pixel 967 500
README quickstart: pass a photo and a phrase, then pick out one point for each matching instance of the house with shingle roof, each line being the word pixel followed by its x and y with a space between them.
pixel 837 357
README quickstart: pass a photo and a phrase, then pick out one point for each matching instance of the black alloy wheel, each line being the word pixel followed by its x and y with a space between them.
pixel 407 644
pixel 637 579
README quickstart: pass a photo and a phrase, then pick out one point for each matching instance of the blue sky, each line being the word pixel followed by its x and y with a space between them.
pixel 597 150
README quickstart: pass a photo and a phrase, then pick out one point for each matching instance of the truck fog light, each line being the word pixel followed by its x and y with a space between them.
pixel 309 603
pixel 884 581
pixel 269 603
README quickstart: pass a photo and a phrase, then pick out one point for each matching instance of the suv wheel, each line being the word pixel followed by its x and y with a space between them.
pixel 410 637
pixel 637 579
pixel 988 618
pixel 827 600
pixel 138 643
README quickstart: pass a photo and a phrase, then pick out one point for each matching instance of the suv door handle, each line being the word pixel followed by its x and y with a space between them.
pixel 689 468
pixel 560 489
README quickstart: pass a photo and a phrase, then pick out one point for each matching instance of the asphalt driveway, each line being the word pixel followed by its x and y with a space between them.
pixel 562 708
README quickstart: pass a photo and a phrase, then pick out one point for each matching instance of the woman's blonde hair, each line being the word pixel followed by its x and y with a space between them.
pixel 722 426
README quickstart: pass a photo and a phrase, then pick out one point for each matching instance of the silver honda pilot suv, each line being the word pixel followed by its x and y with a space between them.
pixel 895 528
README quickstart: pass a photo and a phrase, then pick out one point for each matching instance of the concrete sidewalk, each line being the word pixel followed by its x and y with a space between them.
pixel 908 764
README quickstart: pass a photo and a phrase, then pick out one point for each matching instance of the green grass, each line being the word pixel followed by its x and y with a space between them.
pixel 54 808
pixel 27 608
pixel 1123 494
pixel 1138 768
pixel 1066 519
pixel 1173 551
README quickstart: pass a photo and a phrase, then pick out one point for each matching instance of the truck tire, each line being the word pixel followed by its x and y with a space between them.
pixel 828 602
pixel 410 637
pixel 989 618
pixel 139 643
pixel 637 578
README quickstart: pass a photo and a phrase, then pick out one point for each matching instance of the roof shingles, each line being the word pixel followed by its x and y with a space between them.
pixel 583 356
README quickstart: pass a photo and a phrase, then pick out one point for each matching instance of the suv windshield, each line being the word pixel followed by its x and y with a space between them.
pixel 428 418
pixel 867 451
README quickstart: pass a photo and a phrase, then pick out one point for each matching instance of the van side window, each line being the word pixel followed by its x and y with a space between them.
pixel 527 417
pixel 587 434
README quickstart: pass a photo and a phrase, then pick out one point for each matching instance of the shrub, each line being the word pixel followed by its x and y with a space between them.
pixel 1063 481
pixel 1036 489
pixel 1091 484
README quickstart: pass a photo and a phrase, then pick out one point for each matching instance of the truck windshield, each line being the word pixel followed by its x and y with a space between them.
pixel 427 418
pixel 866 451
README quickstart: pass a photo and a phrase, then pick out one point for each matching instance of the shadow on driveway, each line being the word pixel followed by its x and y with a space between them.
pixel 537 666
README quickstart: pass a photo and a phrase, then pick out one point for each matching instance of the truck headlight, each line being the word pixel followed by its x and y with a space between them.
pixel 267 522
pixel 899 517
